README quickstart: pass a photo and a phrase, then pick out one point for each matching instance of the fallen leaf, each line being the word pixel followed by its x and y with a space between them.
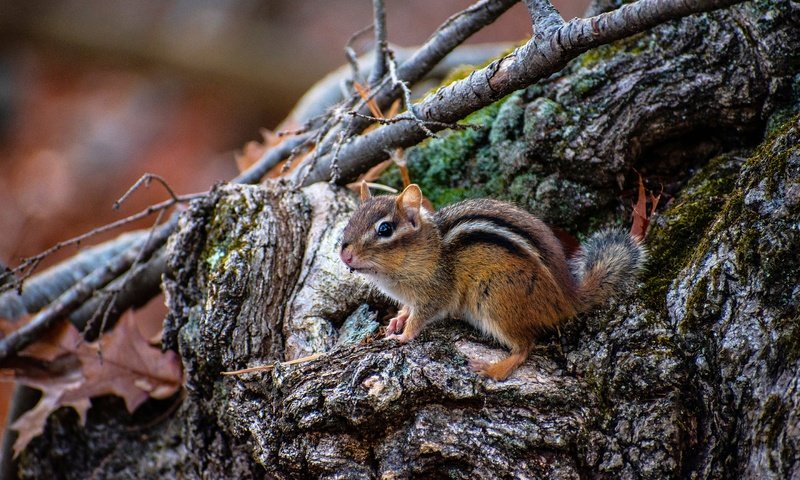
pixel 70 371
pixel 253 150
pixel 32 423
pixel 641 215
pixel 128 363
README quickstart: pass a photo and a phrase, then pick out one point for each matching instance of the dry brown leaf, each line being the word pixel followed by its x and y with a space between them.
pixel 254 150
pixel 129 368
pixel 32 423
pixel 641 215
pixel 69 372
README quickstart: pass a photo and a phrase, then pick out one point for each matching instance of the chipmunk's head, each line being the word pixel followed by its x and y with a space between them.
pixel 387 234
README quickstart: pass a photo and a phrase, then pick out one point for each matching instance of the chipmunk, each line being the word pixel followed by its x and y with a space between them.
pixel 488 262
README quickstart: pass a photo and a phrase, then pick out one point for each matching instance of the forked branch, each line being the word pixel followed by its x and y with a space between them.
pixel 537 59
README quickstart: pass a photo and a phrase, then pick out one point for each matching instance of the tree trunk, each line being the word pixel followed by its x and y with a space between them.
pixel 694 374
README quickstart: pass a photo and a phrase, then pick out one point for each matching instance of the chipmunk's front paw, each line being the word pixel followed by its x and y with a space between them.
pixel 398 323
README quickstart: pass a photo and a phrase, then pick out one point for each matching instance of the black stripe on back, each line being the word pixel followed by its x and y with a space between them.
pixel 534 243
pixel 474 237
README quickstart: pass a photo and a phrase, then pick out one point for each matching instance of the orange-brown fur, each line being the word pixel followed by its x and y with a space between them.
pixel 485 261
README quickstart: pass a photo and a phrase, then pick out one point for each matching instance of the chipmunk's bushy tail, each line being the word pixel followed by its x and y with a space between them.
pixel 607 264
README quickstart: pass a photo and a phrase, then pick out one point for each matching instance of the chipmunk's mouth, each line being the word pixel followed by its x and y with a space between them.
pixel 363 270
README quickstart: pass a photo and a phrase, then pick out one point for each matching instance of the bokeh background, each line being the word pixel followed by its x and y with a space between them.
pixel 94 93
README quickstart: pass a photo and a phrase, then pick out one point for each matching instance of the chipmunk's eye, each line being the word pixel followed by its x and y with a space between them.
pixel 385 229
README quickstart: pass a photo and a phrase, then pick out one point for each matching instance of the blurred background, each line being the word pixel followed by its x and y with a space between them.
pixel 94 93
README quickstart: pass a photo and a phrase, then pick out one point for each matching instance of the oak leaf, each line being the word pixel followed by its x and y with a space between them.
pixel 69 372
pixel 641 216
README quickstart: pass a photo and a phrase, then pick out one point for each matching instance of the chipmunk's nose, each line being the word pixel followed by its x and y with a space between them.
pixel 346 255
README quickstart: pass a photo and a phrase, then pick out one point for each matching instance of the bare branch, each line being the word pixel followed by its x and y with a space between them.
pixel 544 17
pixel 379 69
pixel 448 36
pixel 389 121
pixel 316 102
pixel 109 295
pixel 28 266
pixel 132 291
pixel 48 285
pixel 351 55
pixel 531 62
pixel 82 290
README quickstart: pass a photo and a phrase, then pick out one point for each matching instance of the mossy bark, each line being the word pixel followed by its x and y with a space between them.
pixel 693 375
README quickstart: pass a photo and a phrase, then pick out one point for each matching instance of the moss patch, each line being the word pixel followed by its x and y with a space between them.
pixel 713 201
pixel 445 167
pixel 633 45
pixel 673 242
pixel 226 235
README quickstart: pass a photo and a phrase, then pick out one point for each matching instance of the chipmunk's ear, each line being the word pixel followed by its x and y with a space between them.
pixel 365 195
pixel 410 201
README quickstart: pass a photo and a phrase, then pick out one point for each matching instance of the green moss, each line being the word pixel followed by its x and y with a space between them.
pixel 225 235
pixel 543 114
pixel 442 166
pixel 695 302
pixel 747 248
pixel 787 346
pixel 633 45
pixel 673 244
pixel 587 83
pixel 710 204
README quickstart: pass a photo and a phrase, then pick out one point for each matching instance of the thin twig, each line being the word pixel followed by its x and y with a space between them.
pixel 145 180
pixel 111 294
pixel 317 139
pixel 441 125
pixel 269 367
pixel 351 55
pixel 29 265
pixel 43 287
pixel 406 93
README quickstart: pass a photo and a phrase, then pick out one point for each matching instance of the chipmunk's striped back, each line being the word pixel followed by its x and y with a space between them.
pixel 503 225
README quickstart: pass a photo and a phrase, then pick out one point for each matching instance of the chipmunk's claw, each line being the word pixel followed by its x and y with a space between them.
pixel 401 338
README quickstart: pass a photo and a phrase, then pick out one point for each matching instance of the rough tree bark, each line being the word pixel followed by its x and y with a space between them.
pixel 693 375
